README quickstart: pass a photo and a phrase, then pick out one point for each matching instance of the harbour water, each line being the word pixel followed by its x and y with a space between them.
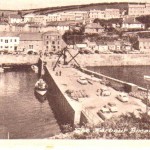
pixel 22 116
pixel 132 74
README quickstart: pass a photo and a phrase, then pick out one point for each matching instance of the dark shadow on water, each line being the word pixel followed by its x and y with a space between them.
pixel 61 119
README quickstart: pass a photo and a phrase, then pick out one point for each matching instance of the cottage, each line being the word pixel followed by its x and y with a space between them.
pixel 132 23
pixel 126 46
pixel 4 27
pixel 114 45
pixel 35 28
pixel 30 41
pixel 93 14
pixel 57 26
pixel 39 19
pixel 112 13
pixel 93 28
pixel 28 18
pixel 14 18
pixel 9 41
pixel 143 44
pixel 21 27
pixel 101 46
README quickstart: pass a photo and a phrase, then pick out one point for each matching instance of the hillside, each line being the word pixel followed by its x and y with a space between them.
pixel 44 11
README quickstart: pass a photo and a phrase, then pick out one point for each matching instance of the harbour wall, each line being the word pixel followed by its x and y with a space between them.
pixel 18 59
pixel 128 87
pixel 112 59
pixel 60 103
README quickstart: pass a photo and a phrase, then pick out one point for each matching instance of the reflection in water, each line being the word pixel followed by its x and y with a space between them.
pixel 21 114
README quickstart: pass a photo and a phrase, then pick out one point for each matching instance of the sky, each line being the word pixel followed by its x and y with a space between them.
pixel 29 4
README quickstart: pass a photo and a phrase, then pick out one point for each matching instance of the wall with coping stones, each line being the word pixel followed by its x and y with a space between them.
pixel 64 111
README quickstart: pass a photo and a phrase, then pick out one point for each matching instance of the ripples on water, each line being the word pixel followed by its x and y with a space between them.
pixel 133 74
pixel 21 114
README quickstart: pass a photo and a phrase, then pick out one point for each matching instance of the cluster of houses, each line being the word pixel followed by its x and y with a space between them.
pixel 44 32
pixel 35 42
pixel 63 21
pixel 105 46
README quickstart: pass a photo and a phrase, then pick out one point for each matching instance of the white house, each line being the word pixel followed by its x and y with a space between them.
pixel 132 23
pixel 101 46
pixel 112 13
pixel 61 27
pixel 13 18
pixel 39 19
pixel 93 28
pixel 8 41
pixel 93 14
pixel 28 18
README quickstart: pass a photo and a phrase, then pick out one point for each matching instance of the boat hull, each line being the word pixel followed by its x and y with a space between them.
pixel 39 97
pixel 41 92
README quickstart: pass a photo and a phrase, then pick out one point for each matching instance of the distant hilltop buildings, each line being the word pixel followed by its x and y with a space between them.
pixel 113 27
pixel 63 20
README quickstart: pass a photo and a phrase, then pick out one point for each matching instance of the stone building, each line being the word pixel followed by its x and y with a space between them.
pixel 30 41
pixel 52 41
pixel 138 9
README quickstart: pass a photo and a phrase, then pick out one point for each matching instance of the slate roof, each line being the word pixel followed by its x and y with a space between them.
pixel 30 36
pixel 15 16
pixel 8 34
pixel 93 26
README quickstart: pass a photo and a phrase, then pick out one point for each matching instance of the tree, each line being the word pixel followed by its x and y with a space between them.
pixel 20 13
pixel 2 14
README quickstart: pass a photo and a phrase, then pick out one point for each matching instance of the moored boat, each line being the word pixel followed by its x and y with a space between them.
pixel 41 87
pixel 34 68
pixel 40 98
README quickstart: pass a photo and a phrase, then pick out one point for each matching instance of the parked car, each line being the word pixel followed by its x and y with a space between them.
pixel 82 80
pixel 123 97
pixel 112 107
pixel 105 91
pixel 104 113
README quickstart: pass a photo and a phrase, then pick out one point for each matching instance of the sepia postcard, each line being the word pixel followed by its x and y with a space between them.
pixel 74 74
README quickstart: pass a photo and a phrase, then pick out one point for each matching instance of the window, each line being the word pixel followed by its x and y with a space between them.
pixel 47 37
pixel 6 46
pixel 46 42
pixel 30 46
pixel 10 40
pixel 1 40
pixel 53 42
pixel 46 47
pixel 6 41
pixel 15 40
pixel 58 42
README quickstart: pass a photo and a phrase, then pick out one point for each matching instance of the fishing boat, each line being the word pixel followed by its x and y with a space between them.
pixel 34 68
pixel 41 87
pixel 40 98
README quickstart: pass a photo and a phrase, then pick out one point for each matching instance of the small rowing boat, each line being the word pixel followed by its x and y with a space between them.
pixel 41 87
